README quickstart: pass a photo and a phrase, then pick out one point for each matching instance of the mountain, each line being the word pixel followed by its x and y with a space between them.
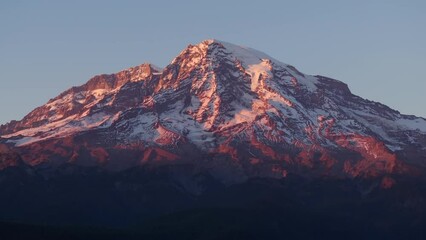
pixel 231 110
pixel 225 142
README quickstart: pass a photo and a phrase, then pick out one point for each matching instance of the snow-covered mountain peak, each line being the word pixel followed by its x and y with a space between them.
pixel 222 99
pixel 245 55
pixel 249 60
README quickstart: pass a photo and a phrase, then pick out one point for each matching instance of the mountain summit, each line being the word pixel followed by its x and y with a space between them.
pixel 229 110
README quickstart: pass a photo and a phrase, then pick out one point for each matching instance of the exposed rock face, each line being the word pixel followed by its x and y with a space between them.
pixel 9 158
pixel 232 110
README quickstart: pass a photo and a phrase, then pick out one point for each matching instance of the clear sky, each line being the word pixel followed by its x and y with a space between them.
pixel 377 47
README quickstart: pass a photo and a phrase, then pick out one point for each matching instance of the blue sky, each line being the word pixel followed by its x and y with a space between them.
pixel 376 47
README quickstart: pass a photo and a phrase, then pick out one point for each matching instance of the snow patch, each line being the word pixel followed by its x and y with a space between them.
pixel 256 71
pixel 417 124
